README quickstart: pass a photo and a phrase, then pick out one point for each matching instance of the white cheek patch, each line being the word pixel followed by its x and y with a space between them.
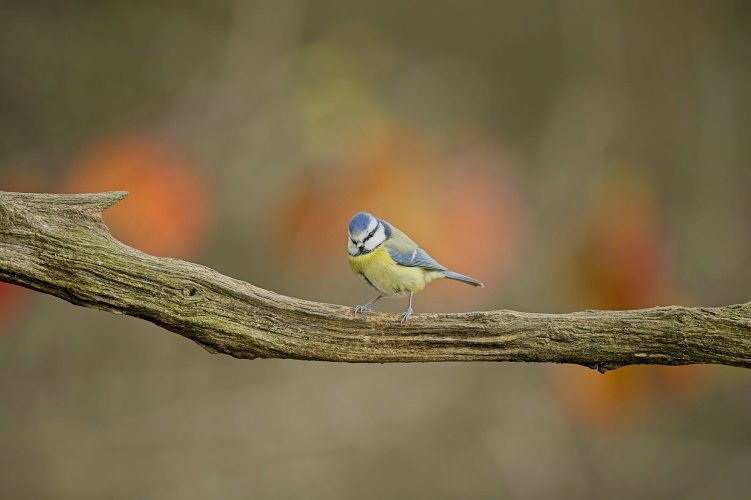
pixel 351 247
pixel 378 238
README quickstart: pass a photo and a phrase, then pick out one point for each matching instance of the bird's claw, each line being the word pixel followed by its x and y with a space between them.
pixel 365 308
pixel 406 315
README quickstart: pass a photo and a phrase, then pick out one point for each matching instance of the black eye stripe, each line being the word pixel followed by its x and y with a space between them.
pixel 371 234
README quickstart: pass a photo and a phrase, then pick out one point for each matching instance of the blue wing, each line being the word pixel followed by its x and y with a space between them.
pixel 405 252
pixel 416 258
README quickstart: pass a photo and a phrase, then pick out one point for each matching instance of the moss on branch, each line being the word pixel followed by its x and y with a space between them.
pixel 58 244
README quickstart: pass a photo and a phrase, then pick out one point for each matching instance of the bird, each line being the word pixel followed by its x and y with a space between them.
pixel 389 261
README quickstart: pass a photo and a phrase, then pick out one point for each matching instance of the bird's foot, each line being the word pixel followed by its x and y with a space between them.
pixel 405 315
pixel 363 308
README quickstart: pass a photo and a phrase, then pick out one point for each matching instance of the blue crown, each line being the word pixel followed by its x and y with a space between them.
pixel 360 222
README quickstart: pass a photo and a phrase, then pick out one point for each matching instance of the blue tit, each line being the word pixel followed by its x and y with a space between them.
pixel 389 261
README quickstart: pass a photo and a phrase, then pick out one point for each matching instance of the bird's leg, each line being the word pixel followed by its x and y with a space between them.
pixel 367 306
pixel 408 312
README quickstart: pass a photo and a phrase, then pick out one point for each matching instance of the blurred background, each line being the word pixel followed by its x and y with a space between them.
pixel 572 154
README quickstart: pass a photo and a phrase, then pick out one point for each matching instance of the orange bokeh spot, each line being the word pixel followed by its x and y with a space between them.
pixel 604 400
pixel 620 396
pixel 170 205
pixel 624 264
pixel 13 300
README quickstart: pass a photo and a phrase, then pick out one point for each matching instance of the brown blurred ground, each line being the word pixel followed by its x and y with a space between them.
pixel 571 154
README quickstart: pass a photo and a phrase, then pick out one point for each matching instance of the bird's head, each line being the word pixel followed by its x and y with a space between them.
pixel 366 233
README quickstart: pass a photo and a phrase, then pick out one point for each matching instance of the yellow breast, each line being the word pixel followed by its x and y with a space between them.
pixel 379 270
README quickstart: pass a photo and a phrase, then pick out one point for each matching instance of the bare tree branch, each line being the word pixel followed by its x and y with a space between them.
pixel 58 244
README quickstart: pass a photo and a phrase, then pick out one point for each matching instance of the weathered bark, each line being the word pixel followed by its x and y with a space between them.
pixel 58 244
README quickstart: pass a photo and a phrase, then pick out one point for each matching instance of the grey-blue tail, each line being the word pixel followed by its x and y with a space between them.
pixel 465 279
